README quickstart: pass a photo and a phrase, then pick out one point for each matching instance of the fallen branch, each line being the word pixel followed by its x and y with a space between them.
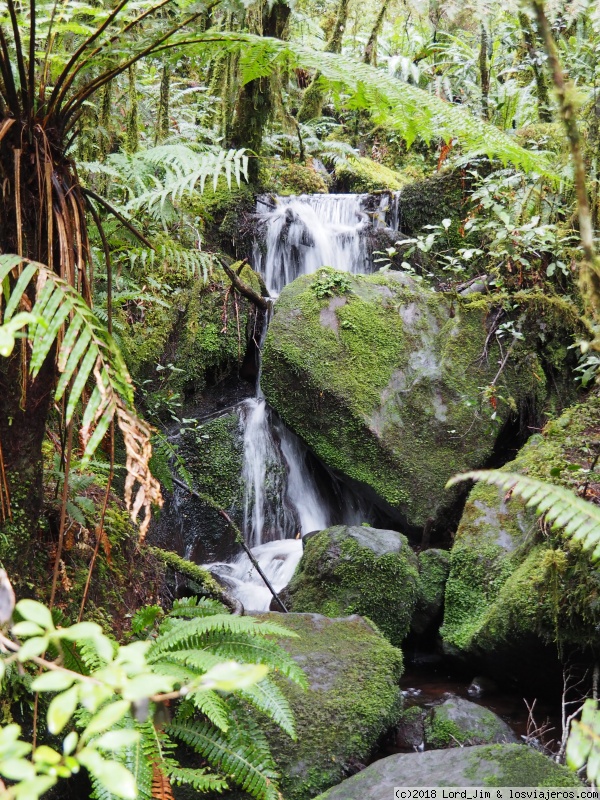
pixel 244 289
pixel 238 535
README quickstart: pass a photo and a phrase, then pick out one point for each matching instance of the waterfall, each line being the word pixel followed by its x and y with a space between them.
pixel 302 234
pixel 283 500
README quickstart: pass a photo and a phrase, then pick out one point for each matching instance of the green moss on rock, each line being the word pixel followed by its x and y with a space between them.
pixel 385 383
pixel 509 581
pixel 457 722
pixel 285 178
pixel 358 570
pixel 353 698
pixel 363 175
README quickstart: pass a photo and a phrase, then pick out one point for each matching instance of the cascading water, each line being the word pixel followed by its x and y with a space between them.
pixel 282 498
pixel 302 234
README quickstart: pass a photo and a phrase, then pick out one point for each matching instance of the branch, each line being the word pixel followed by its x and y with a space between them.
pixel 244 289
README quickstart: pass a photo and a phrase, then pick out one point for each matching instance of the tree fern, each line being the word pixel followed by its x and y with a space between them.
pixel 579 518
pixel 85 350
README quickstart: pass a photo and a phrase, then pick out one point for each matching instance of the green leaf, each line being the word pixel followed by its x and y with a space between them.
pixel 116 740
pixel 61 709
pixel 25 629
pixel 35 612
pixel 55 681
pixel 112 775
pixel 17 769
pixel 46 755
pixel 105 718
pixel 33 647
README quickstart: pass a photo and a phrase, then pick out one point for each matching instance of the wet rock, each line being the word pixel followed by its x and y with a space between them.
pixel 358 569
pixel 409 733
pixel 512 587
pixel 457 722
pixel 390 395
pixel 353 698
pixel 434 566
pixel 481 686
pixel 484 765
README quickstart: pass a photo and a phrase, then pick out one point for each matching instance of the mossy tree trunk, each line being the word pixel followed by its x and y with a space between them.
pixel 255 100
pixel 370 54
pixel 529 39
pixel 312 102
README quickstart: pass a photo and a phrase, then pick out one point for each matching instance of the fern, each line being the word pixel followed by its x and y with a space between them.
pixel 85 350
pixel 579 518
pixel 233 754
pixel 199 779
pixel 267 697
pixel 392 103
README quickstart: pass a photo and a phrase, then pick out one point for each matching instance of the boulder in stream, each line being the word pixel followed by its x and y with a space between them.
pixel 353 698
pixel 385 380
pixel 483 765
pixel 457 722
pixel 515 586
pixel 358 570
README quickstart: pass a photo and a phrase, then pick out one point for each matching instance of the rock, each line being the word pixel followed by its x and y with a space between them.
pixel 512 585
pixel 362 570
pixel 353 698
pixel 409 733
pixel 391 394
pixel 213 455
pixel 484 765
pixel 363 175
pixel 434 566
pixel 480 686
pixel 457 722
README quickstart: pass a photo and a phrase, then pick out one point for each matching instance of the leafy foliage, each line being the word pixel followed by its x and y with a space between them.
pixel 86 350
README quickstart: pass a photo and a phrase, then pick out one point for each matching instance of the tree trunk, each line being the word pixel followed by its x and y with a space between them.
pixel 255 101
pixel 484 74
pixel 370 54
pixel 312 102
pixel 544 110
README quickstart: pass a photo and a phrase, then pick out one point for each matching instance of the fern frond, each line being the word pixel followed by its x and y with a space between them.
pixel 248 766
pixel 579 518
pixel 267 697
pixel 161 785
pixel 192 633
pixel 190 607
pixel 199 779
pixel 213 707
pixel 85 350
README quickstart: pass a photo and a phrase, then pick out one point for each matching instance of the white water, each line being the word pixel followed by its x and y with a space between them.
pixel 282 499
pixel 304 233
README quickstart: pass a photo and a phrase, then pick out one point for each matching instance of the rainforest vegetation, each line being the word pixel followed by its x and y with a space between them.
pixel 299 363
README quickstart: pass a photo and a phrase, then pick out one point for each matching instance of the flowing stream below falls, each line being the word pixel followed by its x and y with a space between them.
pixel 283 498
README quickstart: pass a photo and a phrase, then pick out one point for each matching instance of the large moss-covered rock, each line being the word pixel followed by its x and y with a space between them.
pixel 358 570
pixel 511 581
pixel 385 380
pixel 434 566
pixel 494 765
pixel 352 699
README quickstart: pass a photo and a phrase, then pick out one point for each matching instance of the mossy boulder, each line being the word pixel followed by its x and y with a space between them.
pixel 285 178
pixel 493 765
pixel 358 570
pixel 457 722
pixel 213 455
pixel 363 175
pixel 385 380
pixel 352 699
pixel 512 582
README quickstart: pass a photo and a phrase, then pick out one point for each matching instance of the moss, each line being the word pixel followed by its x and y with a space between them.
pixel 339 370
pixel 520 766
pixel 196 338
pixel 353 698
pixel 204 581
pixel 337 576
pixel 440 733
pixel 363 175
pixel 285 178
pixel 509 581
